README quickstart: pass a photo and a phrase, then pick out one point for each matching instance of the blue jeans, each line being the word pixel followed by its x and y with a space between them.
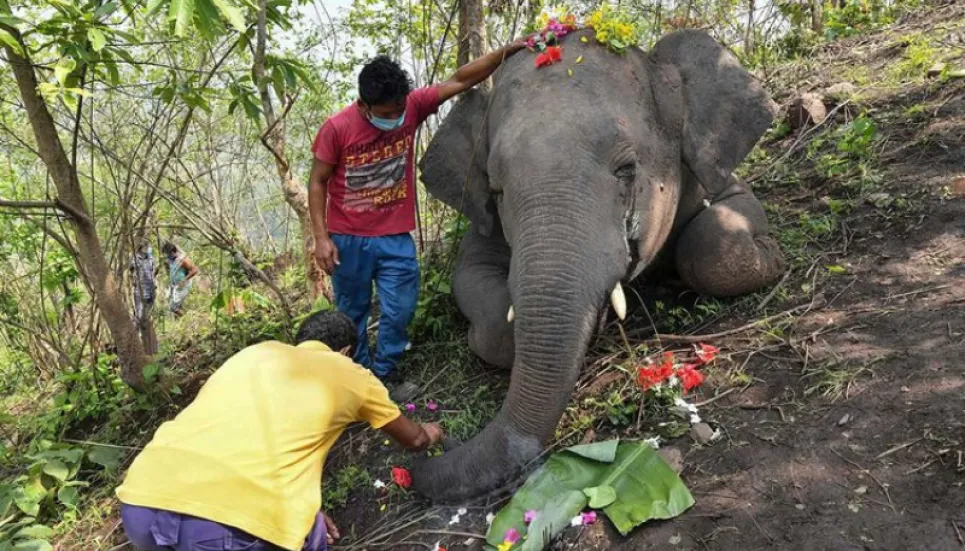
pixel 389 261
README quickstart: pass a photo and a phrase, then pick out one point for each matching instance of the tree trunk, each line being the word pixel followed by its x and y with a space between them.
pixel 472 32
pixel 749 34
pixel 274 140
pixel 90 259
pixel 817 16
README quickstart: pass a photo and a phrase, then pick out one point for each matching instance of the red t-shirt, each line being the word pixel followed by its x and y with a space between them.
pixel 372 190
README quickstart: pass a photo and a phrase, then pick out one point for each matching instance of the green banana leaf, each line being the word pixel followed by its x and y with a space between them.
pixel 629 480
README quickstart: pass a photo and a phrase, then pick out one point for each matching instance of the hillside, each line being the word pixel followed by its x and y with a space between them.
pixel 840 394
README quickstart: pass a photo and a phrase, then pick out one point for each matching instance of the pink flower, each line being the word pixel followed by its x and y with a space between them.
pixel 530 516
pixel 589 518
pixel 431 405
pixel 410 407
pixel 512 536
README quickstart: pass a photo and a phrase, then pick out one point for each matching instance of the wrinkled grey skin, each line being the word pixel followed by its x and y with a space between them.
pixel 577 183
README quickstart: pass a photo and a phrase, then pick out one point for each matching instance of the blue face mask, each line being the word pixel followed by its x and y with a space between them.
pixel 386 124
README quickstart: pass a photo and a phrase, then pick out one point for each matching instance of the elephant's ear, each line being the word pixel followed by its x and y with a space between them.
pixel 725 109
pixel 453 166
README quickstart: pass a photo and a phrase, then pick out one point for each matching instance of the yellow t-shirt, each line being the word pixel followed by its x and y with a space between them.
pixel 249 451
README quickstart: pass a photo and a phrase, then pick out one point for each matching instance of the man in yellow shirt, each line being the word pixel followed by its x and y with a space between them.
pixel 241 467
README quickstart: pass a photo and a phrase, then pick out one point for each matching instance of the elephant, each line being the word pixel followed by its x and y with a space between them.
pixel 576 179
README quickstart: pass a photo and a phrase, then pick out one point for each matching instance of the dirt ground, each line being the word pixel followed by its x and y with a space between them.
pixel 880 466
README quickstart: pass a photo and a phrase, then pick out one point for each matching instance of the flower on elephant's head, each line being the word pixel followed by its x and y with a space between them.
pixel 552 55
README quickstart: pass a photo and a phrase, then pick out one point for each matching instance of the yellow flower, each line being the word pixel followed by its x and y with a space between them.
pixel 505 546
pixel 602 35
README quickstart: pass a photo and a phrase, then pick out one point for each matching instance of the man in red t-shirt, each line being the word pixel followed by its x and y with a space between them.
pixel 361 194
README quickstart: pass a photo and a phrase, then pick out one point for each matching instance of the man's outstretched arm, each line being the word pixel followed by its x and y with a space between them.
pixel 476 71
pixel 413 436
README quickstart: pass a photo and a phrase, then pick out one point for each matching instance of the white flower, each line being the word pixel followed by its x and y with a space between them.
pixel 685 405
pixel 454 520
pixel 462 511
pixel 379 484
pixel 436 546
pixel 489 518
pixel 653 442
pixel 673 381
pixel 694 419
pixel 577 520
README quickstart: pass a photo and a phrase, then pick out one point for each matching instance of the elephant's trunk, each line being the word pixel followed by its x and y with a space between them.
pixel 556 301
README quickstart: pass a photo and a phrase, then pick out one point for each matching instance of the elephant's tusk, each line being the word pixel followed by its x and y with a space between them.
pixel 619 301
pixel 511 315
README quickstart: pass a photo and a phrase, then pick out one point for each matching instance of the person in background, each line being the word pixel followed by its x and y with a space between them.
pixel 180 273
pixel 241 466
pixel 361 195
pixel 143 274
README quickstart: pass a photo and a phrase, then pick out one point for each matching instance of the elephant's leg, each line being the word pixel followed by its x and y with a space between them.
pixel 726 250
pixel 482 293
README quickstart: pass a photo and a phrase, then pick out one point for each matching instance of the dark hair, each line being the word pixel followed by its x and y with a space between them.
pixel 330 327
pixel 382 81
pixel 169 248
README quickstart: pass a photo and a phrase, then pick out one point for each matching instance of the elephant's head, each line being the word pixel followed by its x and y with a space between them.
pixel 584 174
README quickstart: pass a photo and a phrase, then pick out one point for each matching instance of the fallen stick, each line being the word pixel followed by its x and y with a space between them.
pixel 897 448
pixel 710 336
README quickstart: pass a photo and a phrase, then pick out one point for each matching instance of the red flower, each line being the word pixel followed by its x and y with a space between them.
pixel 647 377
pixel 401 477
pixel 550 56
pixel 690 377
pixel 707 353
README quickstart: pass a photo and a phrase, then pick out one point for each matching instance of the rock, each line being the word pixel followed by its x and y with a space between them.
pixel 935 70
pixel 840 91
pixel 673 457
pixel 806 109
pixel 702 433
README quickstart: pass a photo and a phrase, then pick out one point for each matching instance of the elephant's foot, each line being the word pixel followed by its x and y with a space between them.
pixel 482 293
pixel 726 251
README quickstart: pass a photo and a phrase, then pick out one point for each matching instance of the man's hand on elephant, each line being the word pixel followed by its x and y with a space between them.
pixel 435 432
pixel 326 254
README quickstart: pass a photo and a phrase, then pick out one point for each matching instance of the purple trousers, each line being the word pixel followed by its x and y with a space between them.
pixel 157 530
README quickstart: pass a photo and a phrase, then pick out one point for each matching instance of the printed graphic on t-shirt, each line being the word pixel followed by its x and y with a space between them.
pixel 375 174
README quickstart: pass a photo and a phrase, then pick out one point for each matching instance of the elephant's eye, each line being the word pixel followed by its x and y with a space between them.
pixel 627 172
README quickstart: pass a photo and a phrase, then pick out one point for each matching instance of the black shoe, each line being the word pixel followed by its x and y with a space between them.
pixel 400 390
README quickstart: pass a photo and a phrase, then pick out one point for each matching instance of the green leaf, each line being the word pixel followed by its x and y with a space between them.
pixel 600 496
pixel 57 470
pixel 150 371
pixel 153 7
pixel 605 451
pixel 113 76
pixel 105 10
pixel 34 531
pixel 643 487
pixel 209 22
pixel 68 495
pixel 646 487
pixel 553 519
pixel 33 545
pixel 108 457
pixel 63 69
pixel 231 13
pixel 182 13
pixel 10 41
pixel 97 39
pixel 28 500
